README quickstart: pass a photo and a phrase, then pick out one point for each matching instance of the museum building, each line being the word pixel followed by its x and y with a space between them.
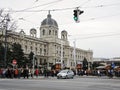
pixel 49 48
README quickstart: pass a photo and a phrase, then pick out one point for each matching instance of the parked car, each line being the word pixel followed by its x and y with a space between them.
pixel 65 74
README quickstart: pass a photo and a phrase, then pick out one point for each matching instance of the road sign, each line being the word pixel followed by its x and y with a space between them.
pixel 14 62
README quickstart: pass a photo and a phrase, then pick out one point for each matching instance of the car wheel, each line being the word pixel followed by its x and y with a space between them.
pixel 58 78
pixel 72 77
pixel 66 77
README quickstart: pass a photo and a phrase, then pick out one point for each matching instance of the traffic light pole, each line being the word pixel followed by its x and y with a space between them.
pixel 77 15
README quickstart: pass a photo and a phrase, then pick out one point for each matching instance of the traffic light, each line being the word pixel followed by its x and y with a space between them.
pixel 75 15
pixel 80 12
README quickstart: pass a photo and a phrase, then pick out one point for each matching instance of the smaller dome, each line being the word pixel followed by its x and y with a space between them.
pixel 33 31
pixel 64 31
pixel 21 32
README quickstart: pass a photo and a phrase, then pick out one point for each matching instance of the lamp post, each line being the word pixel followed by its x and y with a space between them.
pixel 75 55
pixel 61 54
pixel 6 20
pixel 33 65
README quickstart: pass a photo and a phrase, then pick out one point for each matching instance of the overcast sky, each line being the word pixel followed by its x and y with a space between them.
pixel 98 29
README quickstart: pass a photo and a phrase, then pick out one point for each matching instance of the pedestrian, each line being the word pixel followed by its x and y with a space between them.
pixel 31 73
pixel 26 73
pixel 98 73
pixel 37 72
pixel 16 73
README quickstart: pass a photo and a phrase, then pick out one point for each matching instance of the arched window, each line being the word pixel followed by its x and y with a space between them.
pixel 55 32
pixel 36 50
pixel 31 48
pixel 40 61
pixel 63 54
pixel 44 51
pixel 45 62
pixel 49 32
pixel 63 36
pixel 40 51
pixel 25 48
pixel 43 32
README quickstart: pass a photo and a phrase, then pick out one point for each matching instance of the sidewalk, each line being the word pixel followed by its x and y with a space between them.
pixel 43 77
pixel 102 77
pixel 76 76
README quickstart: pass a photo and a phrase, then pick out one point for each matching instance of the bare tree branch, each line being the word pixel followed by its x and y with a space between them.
pixel 6 21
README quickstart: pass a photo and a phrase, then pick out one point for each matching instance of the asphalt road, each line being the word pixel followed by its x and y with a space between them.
pixel 60 84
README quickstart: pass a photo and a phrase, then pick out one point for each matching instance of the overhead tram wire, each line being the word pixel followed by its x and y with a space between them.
pixel 24 10
pixel 107 16
pixel 87 19
pixel 72 8
pixel 15 11
pixel 28 9
pixel 104 33
pixel 102 5
pixel 90 19
pixel 89 37
pixel 84 3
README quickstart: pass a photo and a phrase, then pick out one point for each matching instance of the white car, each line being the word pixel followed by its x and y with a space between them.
pixel 65 74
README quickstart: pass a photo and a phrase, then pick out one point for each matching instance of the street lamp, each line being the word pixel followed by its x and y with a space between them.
pixel 61 54
pixel 33 65
pixel 6 20
pixel 75 55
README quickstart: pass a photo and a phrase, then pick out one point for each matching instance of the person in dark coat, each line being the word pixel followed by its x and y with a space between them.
pixel 26 73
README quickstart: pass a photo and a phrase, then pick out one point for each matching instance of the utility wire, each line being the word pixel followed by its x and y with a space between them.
pixel 97 36
pixel 107 16
pixel 71 22
pixel 28 9
pixel 90 19
pixel 84 3
pixel 98 6
pixel 24 10
pixel 104 33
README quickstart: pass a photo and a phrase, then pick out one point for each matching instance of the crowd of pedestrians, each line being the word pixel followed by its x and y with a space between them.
pixel 30 73
pixel 25 73
pixel 110 73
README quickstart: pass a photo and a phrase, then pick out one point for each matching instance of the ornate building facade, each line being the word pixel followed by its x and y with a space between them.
pixel 49 48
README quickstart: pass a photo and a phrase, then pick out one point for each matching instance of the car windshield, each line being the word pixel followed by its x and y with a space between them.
pixel 64 71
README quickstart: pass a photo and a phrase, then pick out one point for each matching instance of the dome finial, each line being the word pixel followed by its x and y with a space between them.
pixel 48 11
pixel 49 16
